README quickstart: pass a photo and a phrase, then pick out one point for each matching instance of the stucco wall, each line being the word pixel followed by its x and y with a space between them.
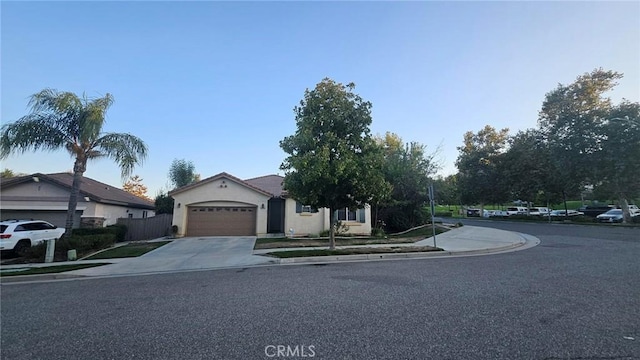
pixel 220 192
pixel 111 213
pixel 36 189
pixel 37 196
pixel 304 223
pixel 314 223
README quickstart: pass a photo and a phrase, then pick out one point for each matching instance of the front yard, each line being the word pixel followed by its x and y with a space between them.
pixel 403 238
pixel 352 251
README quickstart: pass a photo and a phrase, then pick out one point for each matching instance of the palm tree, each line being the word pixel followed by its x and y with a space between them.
pixel 64 120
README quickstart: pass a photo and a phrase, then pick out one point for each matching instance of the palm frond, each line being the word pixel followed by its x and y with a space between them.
pixel 32 132
pixel 50 101
pixel 93 118
pixel 125 149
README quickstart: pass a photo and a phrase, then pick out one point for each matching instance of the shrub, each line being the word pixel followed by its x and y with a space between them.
pixel 90 231
pixel 324 233
pixel 444 213
pixel 118 230
pixel 377 232
pixel 90 243
pixel 82 244
pixel 582 219
pixel 341 228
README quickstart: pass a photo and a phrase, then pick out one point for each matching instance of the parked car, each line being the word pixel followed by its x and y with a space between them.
pixel 595 210
pixel 563 213
pixel 19 235
pixel 517 210
pixel 473 212
pixel 611 216
pixel 634 210
pixel 539 211
pixel 497 213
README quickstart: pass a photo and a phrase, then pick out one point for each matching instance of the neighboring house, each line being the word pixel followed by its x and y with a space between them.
pixel 46 197
pixel 223 205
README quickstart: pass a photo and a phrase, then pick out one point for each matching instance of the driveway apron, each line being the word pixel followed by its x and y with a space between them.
pixel 187 254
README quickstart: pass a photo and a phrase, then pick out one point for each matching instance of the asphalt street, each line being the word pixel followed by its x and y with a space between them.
pixel 574 296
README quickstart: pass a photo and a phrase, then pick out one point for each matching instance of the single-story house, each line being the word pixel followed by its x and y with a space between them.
pixel 224 205
pixel 46 197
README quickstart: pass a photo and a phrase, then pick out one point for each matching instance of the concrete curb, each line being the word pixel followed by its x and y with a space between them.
pixel 406 255
pixel 525 241
pixel 42 277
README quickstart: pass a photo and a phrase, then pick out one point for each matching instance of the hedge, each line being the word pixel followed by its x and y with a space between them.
pixel 118 230
pixel 81 243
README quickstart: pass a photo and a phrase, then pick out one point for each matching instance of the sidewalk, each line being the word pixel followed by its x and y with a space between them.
pixel 189 254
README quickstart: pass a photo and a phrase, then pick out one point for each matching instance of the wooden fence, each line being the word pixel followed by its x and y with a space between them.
pixel 147 228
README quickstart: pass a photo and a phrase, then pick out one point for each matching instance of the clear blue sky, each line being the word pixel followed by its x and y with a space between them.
pixel 216 82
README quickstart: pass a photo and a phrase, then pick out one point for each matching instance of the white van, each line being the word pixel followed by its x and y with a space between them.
pixel 517 210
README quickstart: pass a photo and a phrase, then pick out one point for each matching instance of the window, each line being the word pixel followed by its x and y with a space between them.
pixel 346 215
pixel 144 214
pixel 130 216
pixel 351 215
pixel 304 208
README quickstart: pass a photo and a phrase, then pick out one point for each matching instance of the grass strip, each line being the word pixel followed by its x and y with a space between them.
pixel 350 251
pixel 129 250
pixel 48 269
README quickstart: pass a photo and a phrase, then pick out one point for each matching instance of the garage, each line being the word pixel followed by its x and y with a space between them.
pixel 221 221
pixel 56 217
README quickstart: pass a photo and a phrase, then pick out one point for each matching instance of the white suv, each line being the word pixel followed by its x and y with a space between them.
pixel 19 235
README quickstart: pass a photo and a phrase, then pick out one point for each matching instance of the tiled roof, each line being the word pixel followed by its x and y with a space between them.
pixel 97 191
pixel 269 183
pixel 216 177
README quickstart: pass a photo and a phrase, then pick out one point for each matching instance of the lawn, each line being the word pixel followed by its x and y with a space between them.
pixel 352 251
pixel 409 237
pixel 129 250
pixel 48 269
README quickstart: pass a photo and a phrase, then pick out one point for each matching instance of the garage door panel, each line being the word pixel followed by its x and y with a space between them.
pixel 221 221
pixel 56 217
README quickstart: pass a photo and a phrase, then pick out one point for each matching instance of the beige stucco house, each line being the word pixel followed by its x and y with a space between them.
pixel 46 197
pixel 224 205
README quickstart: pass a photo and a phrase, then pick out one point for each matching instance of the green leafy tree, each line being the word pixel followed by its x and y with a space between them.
pixel 590 140
pixel 182 173
pixel 479 178
pixel 333 162
pixel 571 121
pixel 164 203
pixel 62 120
pixel 618 162
pixel 409 169
pixel 446 190
pixel 7 173
pixel 525 167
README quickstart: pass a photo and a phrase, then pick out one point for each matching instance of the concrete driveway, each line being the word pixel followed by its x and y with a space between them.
pixel 186 254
